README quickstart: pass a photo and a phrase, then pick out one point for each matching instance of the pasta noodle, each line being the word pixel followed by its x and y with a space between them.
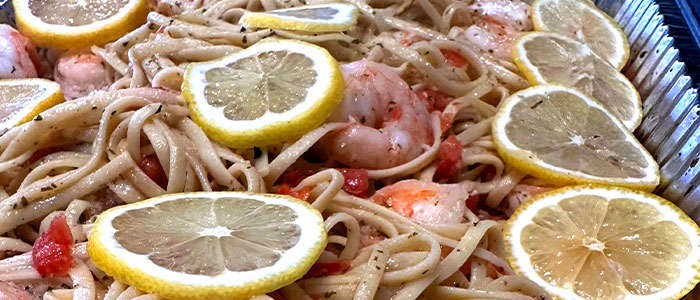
pixel 86 155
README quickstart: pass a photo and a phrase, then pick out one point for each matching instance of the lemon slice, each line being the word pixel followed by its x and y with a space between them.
pixel 546 57
pixel 591 242
pixel 22 100
pixel 312 18
pixel 208 245
pixel 78 24
pixel 562 136
pixel 271 92
pixel 583 21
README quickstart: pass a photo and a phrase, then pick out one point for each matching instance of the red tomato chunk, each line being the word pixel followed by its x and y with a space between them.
pixel 328 268
pixel 473 202
pixel 449 159
pixel 292 178
pixel 51 253
pixel 432 98
pixel 151 166
pixel 356 182
pixel 454 58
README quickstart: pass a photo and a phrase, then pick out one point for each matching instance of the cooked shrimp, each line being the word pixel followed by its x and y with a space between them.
pixel 521 193
pixel 18 58
pixel 493 38
pixel 389 124
pixel 79 72
pixel 513 13
pixel 428 202
pixel 498 24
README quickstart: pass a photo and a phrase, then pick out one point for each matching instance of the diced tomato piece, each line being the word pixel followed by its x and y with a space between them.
pixel 302 194
pixel 432 98
pixel 292 178
pixel 328 268
pixel 151 166
pixel 51 253
pixel 454 58
pixel 284 189
pixel 489 173
pixel 449 159
pixel 59 231
pixel 356 182
pixel 472 202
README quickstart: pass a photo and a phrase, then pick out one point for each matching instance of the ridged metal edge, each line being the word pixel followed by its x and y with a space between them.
pixel 670 129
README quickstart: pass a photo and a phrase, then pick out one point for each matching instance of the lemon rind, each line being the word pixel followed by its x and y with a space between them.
pixel 539 26
pixel 535 77
pixel 683 219
pixel 124 270
pixel 67 37
pixel 281 129
pixel 266 20
pixel 527 162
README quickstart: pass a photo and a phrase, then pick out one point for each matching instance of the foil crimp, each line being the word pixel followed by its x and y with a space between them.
pixel 670 129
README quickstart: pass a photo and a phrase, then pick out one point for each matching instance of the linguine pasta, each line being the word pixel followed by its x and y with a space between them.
pixel 86 155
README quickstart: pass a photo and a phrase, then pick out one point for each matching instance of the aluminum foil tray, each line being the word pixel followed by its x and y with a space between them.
pixel 663 34
pixel 660 33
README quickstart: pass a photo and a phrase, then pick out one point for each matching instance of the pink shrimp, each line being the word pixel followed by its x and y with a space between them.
pixel 498 23
pixel 513 13
pixel 521 193
pixel 389 124
pixel 79 72
pixel 18 57
pixel 427 202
